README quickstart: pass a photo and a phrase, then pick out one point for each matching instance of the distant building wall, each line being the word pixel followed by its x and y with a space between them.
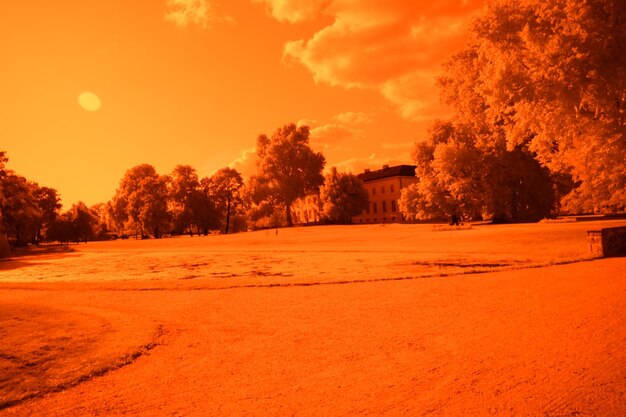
pixel 306 210
pixel 384 188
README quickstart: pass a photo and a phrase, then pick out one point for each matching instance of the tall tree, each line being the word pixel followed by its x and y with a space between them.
pixel 225 186
pixel 49 203
pixel 183 188
pixel 288 167
pixel 205 214
pixel 4 242
pixel 262 207
pixel 142 200
pixel 20 211
pixel 343 195
pixel 476 176
pixel 78 224
pixel 550 75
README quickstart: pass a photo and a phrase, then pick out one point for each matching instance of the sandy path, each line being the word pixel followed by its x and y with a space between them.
pixel 548 341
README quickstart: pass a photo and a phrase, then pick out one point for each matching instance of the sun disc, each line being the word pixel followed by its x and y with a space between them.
pixel 89 101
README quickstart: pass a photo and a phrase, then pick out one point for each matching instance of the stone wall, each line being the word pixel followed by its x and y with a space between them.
pixel 610 241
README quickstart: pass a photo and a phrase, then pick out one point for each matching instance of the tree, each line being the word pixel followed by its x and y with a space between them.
pixel 141 201
pixel 343 195
pixel 262 207
pixel 117 213
pixel 205 215
pixel 49 203
pixel 476 176
pixel 288 167
pixel 78 224
pixel 103 227
pixel 20 211
pixel 550 75
pixel 183 187
pixel 4 242
pixel 84 222
pixel 225 187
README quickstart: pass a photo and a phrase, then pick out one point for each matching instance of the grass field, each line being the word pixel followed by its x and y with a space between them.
pixel 492 320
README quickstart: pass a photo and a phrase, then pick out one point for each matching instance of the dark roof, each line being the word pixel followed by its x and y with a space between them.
pixel 386 172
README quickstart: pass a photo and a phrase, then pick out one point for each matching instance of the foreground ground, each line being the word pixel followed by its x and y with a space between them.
pixel 247 325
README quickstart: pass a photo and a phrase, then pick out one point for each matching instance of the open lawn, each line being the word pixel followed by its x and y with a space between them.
pixel 492 320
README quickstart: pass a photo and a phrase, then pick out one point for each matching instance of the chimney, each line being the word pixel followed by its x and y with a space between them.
pixel 367 170
pixel 385 166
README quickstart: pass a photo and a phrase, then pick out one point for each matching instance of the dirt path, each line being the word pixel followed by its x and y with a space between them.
pixel 548 341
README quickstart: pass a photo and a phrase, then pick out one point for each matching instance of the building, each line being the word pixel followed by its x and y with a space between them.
pixel 383 189
pixel 306 210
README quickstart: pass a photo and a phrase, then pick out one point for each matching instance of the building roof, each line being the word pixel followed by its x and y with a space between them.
pixel 387 172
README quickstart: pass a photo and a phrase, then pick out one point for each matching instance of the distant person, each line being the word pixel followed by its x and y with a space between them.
pixel 455 220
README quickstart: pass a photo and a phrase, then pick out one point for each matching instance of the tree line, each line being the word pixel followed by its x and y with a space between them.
pixel 148 204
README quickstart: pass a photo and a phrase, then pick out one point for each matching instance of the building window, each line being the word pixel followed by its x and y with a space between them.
pixel 391 188
pixel 382 189
pixel 393 206
pixel 384 207
pixel 374 208
pixel 373 191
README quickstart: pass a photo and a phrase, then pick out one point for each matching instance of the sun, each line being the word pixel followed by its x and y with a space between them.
pixel 89 101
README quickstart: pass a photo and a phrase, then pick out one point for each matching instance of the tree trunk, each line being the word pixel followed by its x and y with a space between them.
pixel 227 217
pixel 5 249
pixel 288 214
pixel 18 236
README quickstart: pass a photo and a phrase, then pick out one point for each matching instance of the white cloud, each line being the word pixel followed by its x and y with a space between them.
pixel 333 133
pixel 395 47
pixel 246 163
pixel 373 162
pixel 353 118
pixel 194 12
pixel 294 10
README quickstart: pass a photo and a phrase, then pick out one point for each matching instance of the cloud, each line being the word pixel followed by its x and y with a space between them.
pixel 246 163
pixel 373 162
pixel 341 129
pixel 293 11
pixel 194 12
pixel 307 122
pixel 395 46
pixel 353 118
pixel 331 134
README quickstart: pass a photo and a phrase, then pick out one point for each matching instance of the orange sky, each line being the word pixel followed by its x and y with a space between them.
pixel 195 81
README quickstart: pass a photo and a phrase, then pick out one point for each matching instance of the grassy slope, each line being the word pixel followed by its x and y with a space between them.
pixel 526 340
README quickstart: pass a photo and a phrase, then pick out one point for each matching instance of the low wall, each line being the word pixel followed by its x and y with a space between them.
pixel 610 241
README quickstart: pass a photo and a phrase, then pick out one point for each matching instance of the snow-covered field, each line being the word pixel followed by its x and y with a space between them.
pixel 494 320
